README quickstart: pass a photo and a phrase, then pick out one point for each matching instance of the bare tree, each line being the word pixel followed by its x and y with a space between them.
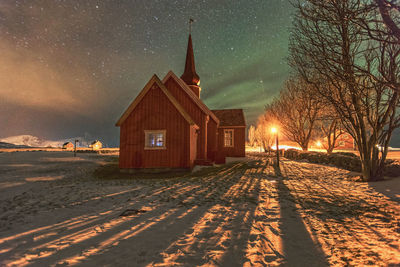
pixel 263 134
pixel 354 73
pixel 252 135
pixel 296 111
pixel 386 9
pixel 329 128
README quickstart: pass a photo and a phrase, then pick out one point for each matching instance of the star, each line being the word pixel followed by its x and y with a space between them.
pixel 106 51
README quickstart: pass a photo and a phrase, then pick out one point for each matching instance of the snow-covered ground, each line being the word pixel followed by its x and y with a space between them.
pixel 53 210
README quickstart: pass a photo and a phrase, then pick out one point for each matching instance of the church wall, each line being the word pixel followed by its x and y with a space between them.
pixel 156 112
pixel 238 149
pixel 193 146
pixel 212 132
pixel 194 112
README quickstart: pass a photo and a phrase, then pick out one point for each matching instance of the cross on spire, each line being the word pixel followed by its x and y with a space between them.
pixel 190 25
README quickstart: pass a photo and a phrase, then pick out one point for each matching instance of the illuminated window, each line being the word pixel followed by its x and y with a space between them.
pixel 228 138
pixel 155 139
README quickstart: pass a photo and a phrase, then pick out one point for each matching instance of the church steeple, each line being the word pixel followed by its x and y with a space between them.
pixel 190 76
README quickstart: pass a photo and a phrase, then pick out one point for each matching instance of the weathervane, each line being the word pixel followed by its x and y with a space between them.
pixel 190 25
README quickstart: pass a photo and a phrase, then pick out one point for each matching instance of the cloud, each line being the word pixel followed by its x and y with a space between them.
pixel 26 82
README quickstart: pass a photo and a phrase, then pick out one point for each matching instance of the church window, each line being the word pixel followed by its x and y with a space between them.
pixel 155 139
pixel 228 138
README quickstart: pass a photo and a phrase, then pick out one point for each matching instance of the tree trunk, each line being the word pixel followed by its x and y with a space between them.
pixel 304 147
pixel 371 172
pixel 387 19
pixel 264 147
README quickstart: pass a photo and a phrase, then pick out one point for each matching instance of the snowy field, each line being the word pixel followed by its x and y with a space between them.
pixel 55 210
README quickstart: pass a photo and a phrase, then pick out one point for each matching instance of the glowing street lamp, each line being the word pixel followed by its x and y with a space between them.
pixel 319 144
pixel 275 131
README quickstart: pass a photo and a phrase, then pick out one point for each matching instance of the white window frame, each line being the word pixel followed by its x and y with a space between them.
pixel 147 143
pixel 232 131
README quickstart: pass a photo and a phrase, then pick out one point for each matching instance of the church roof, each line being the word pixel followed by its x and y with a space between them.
pixel 191 94
pixel 157 81
pixel 190 76
pixel 230 117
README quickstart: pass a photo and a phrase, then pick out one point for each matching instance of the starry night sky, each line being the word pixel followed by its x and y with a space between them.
pixel 71 68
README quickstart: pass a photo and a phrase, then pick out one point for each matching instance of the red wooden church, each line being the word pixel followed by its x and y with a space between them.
pixel 168 126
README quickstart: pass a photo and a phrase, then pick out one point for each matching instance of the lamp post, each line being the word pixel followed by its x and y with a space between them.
pixel 275 131
pixel 76 141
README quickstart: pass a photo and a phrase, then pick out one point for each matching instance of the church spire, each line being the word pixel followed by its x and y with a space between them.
pixel 190 76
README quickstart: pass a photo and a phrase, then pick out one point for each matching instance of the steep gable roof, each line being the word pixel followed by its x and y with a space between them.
pixel 230 117
pixel 157 81
pixel 191 94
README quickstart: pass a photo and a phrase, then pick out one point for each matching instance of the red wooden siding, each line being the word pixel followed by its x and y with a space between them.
pixel 156 112
pixel 194 112
pixel 212 145
pixel 238 149
pixel 193 146
pixel 345 141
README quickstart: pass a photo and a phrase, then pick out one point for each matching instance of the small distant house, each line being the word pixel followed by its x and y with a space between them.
pixel 95 145
pixel 345 141
pixel 68 145
pixel 169 126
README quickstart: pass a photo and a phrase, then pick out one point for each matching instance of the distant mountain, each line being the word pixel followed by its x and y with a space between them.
pixel 34 141
pixel 31 141
pixel 8 145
